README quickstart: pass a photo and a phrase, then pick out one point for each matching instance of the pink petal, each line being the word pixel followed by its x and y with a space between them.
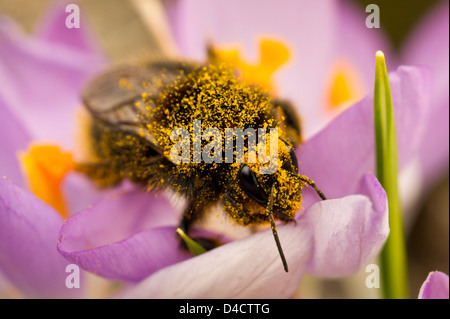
pixel 52 29
pixel 251 267
pixel 348 232
pixel 14 138
pixel 131 259
pixel 248 268
pixel 126 236
pixel 434 150
pixel 357 43
pixel 435 286
pixel 354 45
pixel 40 82
pixel 28 237
pixel 341 154
pixel 80 192
pixel 428 45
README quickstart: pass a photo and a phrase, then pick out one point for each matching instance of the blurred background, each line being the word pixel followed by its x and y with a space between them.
pixel 124 36
pixel 122 33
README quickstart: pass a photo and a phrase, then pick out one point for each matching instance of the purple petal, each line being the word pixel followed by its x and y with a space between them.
pixel 7 290
pixel 348 232
pixel 434 150
pixel 80 192
pixel 52 29
pixel 126 236
pixel 131 259
pixel 28 237
pixel 435 286
pixel 357 43
pixel 40 82
pixel 251 267
pixel 341 154
pixel 354 46
pixel 247 268
pixel 428 45
pixel 14 138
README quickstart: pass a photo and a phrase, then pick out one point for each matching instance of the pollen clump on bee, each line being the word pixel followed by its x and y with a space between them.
pixel 287 193
pixel 216 96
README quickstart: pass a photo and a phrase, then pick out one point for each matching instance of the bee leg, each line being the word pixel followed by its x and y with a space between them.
pixel 272 222
pixel 190 215
pixel 234 204
pixel 285 218
pixel 284 112
pixel 308 181
pixel 232 201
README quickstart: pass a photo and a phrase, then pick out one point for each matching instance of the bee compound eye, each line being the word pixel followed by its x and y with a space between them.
pixel 250 185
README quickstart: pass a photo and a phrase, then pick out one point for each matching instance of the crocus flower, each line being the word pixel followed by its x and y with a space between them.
pixel 93 259
pixel 129 236
pixel 126 242
pixel 435 286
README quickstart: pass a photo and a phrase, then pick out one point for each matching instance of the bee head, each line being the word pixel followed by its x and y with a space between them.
pixel 259 198
pixel 252 190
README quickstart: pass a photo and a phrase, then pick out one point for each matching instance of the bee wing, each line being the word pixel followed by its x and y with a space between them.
pixel 115 97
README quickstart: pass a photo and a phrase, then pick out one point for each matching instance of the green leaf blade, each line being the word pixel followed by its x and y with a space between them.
pixel 393 257
pixel 194 247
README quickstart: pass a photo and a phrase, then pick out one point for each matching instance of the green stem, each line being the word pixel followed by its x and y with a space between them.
pixel 394 270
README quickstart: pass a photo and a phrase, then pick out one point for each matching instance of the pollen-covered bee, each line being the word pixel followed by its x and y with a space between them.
pixel 139 112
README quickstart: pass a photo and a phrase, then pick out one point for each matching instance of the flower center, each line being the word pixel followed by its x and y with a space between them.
pixel 273 54
pixel 45 167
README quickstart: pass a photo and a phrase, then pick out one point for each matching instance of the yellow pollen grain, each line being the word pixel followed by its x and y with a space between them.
pixel 125 84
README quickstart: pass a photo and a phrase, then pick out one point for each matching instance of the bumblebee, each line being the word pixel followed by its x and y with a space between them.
pixel 136 108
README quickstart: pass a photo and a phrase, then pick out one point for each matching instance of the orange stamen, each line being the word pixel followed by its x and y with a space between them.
pixel 273 54
pixel 46 166
pixel 344 87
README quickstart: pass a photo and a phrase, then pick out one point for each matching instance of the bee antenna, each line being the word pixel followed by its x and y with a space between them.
pixel 274 231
